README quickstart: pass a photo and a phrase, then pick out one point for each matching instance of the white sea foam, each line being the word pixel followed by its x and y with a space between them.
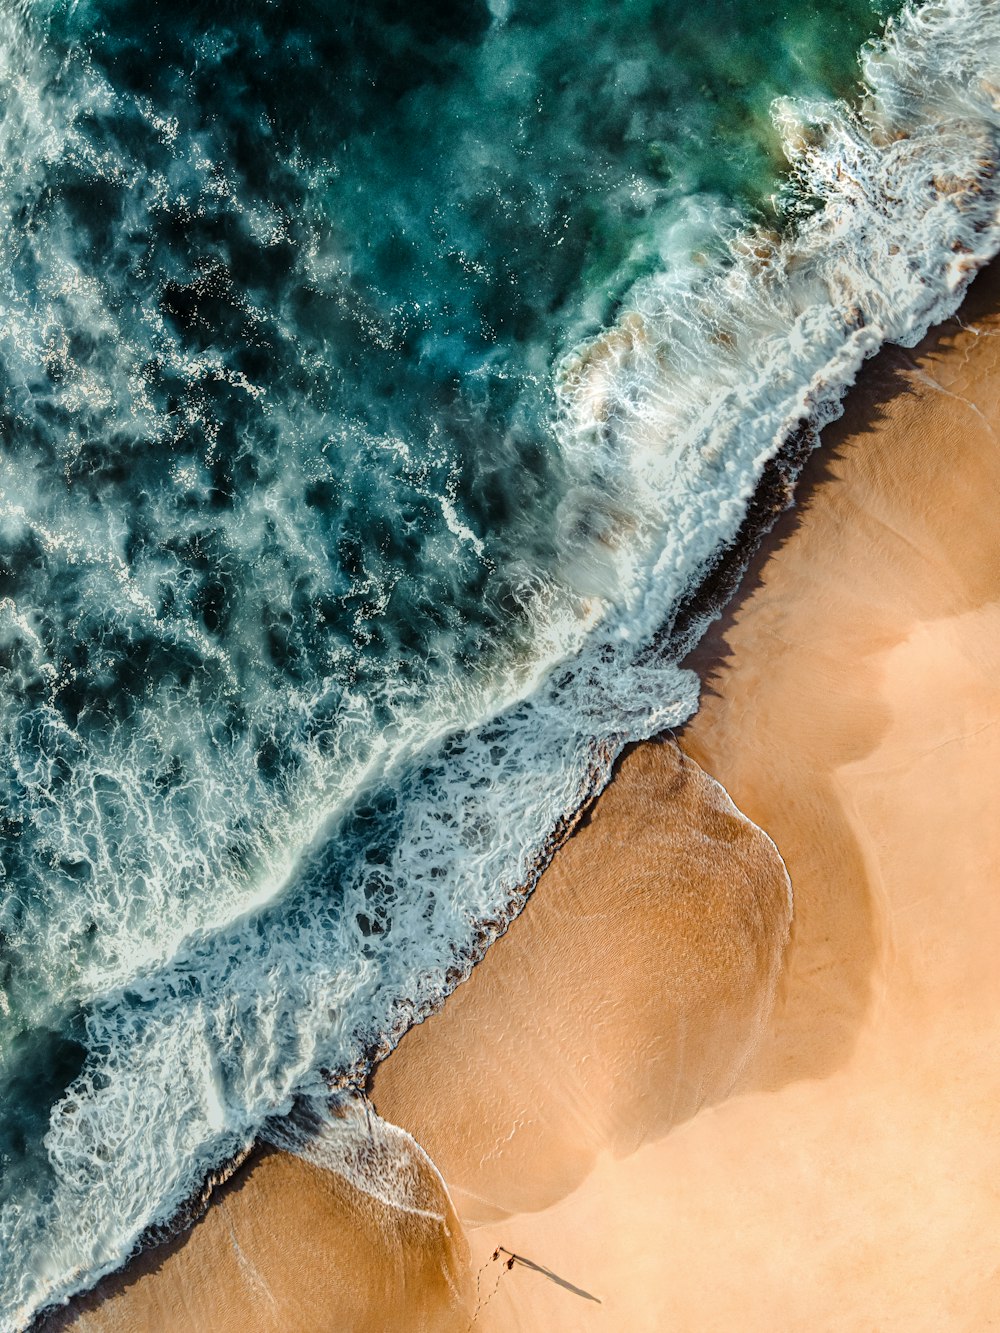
pixel 669 419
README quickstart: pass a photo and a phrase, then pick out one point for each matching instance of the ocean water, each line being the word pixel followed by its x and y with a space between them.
pixel 376 385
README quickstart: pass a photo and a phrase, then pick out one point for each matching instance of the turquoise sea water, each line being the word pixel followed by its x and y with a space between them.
pixel 375 381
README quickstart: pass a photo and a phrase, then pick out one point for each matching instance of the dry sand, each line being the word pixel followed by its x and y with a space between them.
pixel 572 1093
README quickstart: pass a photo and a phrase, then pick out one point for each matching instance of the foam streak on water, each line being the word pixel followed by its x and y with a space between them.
pixel 266 862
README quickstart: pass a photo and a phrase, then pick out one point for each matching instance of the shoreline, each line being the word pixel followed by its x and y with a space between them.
pixel 765 345
pixel 877 386
pixel 849 709
pixel 718 586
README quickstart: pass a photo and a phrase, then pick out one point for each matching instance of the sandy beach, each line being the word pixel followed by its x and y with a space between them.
pixel 680 1116
pixel 851 712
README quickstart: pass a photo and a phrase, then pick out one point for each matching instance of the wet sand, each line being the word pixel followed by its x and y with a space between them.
pixel 286 1246
pixel 612 1095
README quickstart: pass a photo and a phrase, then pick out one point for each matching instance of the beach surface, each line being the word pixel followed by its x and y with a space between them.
pixel 673 1114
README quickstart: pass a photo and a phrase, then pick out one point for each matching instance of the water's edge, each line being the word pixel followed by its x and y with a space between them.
pixel 719 587
pixel 912 214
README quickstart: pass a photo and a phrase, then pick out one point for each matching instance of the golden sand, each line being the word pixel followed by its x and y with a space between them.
pixel 574 1092
pixel 582 1032
pixel 287 1247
